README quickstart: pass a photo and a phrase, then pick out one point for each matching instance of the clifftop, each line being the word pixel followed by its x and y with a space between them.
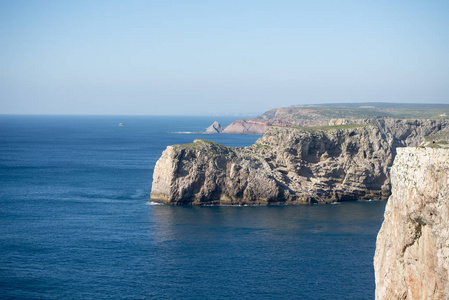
pixel 328 112
pixel 325 114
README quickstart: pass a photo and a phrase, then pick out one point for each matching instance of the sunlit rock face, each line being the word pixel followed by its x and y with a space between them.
pixel 214 128
pixel 412 249
pixel 288 165
pixel 249 126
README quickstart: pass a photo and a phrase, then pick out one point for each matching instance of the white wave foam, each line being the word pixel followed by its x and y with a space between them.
pixel 154 203
pixel 190 132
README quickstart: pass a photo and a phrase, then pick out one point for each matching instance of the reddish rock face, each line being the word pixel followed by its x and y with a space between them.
pixel 249 126
pixel 256 126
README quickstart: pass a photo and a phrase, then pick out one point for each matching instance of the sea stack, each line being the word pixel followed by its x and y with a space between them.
pixel 412 249
pixel 214 128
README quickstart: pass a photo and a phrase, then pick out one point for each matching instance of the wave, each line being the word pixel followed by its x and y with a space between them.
pixel 189 132
pixel 154 203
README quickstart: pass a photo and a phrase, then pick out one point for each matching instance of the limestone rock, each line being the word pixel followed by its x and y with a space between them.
pixel 288 165
pixel 412 249
pixel 214 128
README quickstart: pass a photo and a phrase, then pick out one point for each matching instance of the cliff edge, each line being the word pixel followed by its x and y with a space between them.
pixel 412 249
pixel 323 114
pixel 289 165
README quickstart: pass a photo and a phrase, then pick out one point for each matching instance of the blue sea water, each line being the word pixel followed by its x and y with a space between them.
pixel 75 222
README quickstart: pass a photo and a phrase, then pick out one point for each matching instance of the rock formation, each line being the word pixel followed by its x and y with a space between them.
pixel 289 165
pixel 214 128
pixel 258 126
pixel 323 114
pixel 249 126
pixel 412 249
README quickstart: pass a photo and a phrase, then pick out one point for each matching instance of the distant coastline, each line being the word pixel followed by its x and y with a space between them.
pixel 323 114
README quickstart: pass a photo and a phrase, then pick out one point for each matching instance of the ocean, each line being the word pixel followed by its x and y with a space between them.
pixel 76 222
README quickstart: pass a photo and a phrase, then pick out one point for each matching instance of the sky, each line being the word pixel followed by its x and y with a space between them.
pixel 218 57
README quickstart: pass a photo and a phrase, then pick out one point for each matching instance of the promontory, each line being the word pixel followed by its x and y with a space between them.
pixel 349 160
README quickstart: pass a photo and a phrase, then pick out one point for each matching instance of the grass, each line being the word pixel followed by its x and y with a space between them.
pixel 412 113
pixel 206 146
pixel 440 136
pixel 400 111
pixel 198 143
pixel 333 127
pixel 261 146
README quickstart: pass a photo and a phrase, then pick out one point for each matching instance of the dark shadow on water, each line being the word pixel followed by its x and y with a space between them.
pixel 310 252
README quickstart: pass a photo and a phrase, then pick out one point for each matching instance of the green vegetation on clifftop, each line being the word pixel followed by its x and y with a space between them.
pixel 333 127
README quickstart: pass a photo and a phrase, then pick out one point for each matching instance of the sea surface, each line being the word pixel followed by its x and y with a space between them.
pixel 76 222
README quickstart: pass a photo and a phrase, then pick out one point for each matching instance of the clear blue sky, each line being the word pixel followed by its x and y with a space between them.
pixel 201 57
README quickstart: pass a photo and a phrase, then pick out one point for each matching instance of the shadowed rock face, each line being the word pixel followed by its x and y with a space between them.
pixel 288 165
pixel 412 249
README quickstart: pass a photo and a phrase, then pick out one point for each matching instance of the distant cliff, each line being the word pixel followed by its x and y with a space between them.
pixel 289 165
pixel 323 114
pixel 412 249
pixel 258 126
pixel 249 126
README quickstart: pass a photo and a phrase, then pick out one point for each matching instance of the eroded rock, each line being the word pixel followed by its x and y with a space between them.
pixel 249 126
pixel 214 128
pixel 288 165
pixel 412 249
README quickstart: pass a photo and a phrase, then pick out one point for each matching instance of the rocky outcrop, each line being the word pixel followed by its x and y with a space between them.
pixel 249 126
pixel 412 249
pixel 323 114
pixel 214 128
pixel 326 112
pixel 401 132
pixel 288 165
pixel 258 126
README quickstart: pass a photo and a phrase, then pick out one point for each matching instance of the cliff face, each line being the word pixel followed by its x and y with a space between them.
pixel 258 126
pixel 323 114
pixel 412 249
pixel 286 165
pixel 249 126
pixel 291 118
pixel 401 133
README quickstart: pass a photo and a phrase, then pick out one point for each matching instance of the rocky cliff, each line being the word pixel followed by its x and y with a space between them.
pixel 412 249
pixel 249 126
pixel 289 165
pixel 258 126
pixel 325 114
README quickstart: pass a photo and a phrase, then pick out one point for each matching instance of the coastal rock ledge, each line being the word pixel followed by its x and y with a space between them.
pixel 412 249
pixel 289 165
